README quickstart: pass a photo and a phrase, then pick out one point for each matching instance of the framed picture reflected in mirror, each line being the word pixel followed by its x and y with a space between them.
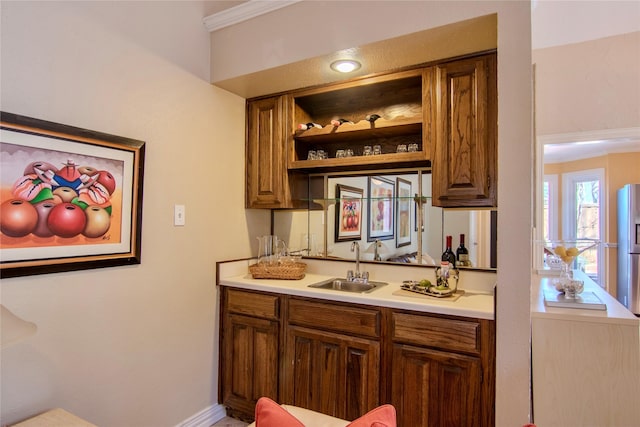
pixel 348 213
pixel 380 211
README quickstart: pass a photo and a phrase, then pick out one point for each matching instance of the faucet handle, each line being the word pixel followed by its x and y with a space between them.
pixel 365 276
pixel 350 275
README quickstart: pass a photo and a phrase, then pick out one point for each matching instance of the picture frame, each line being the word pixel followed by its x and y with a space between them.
pixel 403 212
pixel 418 219
pixel 348 213
pixel 71 198
pixel 380 212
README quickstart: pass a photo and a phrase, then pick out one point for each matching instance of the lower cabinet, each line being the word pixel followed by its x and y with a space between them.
pixel 435 388
pixel 345 359
pixel 331 373
pixel 249 351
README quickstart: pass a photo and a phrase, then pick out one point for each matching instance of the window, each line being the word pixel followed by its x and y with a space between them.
pixel 583 216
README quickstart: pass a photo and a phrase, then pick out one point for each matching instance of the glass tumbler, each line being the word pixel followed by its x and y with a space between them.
pixel 377 150
pixel 402 148
pixel 312 155
pixel 367 150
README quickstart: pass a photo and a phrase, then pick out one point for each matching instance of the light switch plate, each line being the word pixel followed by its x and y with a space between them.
pixel 178 215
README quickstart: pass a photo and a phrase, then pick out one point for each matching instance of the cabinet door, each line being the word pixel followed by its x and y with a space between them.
pixel 435 388
pixel 249 363
pixel 464 127
pixel 266 165
pixel 330 373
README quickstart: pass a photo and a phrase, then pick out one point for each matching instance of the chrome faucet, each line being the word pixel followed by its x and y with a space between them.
pixel 358 276
pixel 355 246
pixel 376 255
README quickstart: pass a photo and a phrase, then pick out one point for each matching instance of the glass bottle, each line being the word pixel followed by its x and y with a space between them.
pixel 448 254
pixel 462 254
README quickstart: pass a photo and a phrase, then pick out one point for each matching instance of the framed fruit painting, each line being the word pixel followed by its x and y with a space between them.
pixel 70 198
pixel 348 213
pixel 380 209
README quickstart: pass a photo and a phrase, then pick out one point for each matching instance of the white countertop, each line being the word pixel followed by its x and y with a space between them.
pixel 472 303
pixel 615 312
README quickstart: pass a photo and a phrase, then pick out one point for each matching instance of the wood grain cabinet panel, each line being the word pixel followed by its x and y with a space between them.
pixel 253 304
pixel 250 350
pixel 331 373
pixel 447 334
pixel 249 361
pixel 333 317
pixel 435 388
pixel 266 165
pixel 463 124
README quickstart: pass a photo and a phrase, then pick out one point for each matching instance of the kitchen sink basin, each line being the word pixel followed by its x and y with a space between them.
pixel 349 286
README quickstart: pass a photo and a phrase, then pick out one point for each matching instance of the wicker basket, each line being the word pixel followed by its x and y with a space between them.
pixel 288 271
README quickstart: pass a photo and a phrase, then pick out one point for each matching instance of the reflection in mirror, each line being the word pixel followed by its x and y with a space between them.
pixel 383 213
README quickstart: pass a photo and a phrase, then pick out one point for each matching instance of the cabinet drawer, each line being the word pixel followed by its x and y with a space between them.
pixel 448 334
pixel 253 304
pixel 321 315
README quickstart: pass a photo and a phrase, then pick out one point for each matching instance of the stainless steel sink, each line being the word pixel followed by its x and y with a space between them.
pixel 349 286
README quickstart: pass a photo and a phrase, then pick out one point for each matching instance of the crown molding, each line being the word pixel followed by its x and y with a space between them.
pixel 243 12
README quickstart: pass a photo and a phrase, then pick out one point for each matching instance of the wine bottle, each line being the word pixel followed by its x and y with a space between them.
pixel 462 254
pixel 305 126
pixel 338 122
pixel 371 117
pixel 448 255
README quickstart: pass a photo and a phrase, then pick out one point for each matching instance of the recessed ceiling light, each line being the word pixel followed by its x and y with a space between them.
pixel 345 65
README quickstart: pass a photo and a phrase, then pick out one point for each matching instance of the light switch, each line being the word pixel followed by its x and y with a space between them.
pixel 178 215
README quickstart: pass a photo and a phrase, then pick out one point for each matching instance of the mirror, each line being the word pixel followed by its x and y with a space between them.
pixel 386 215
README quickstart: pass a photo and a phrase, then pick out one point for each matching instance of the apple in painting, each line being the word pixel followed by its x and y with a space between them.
pixel 43 209
pixel 17 218
pixel 66 220
pixel 98 221
pixel 66 194
pixel 105 178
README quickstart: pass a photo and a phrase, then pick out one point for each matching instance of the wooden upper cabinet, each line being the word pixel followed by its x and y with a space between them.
pixel 447 110
pixel 462 123
pixel 266 165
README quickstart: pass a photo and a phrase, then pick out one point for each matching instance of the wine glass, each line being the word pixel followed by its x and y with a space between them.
pixel 562 253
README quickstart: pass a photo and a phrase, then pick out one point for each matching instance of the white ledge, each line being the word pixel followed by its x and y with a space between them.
pixel 592 135
pixel 243 12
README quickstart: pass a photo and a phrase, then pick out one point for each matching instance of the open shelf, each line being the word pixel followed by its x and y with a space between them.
pixel 399 160
pixel 364 129
pixel 395 97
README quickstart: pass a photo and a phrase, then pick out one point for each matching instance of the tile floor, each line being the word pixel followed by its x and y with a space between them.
pixel 230 422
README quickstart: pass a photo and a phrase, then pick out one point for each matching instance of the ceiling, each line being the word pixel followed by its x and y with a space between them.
pixel 554 23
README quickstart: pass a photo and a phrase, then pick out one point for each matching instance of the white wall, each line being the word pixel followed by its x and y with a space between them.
pixel 135 345
pixel 588 86
pixel 311 28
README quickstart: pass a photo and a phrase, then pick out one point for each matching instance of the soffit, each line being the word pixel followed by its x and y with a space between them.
pixel 461 38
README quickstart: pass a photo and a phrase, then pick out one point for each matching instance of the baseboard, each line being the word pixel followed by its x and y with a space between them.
pixel 206 417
